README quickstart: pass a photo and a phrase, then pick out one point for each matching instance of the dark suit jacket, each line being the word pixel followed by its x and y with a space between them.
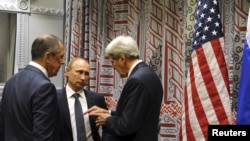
pixel 137 113
pixel 65 124
pixel 29 107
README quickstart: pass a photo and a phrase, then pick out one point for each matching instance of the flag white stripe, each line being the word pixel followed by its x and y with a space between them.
pixel 202 90
pixel 220 84
pixel 195 125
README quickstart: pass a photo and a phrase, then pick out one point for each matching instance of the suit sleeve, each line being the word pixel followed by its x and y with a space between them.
pixel 45 111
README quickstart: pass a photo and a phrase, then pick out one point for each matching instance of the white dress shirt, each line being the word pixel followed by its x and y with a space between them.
pixel 32 63
pixel 71 104
pixel 133 66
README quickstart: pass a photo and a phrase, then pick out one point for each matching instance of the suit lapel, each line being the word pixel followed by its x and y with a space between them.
pixel 88 98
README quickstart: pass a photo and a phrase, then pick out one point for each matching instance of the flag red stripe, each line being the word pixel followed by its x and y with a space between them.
pixel 221 60
pixel 198 107
pixel 219 107
pixel 189 131
pixel 209 83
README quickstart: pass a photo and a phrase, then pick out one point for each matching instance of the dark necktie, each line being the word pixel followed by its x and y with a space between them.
pixel 80 126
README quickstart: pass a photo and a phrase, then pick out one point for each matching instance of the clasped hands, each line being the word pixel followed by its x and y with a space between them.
pixel 100 113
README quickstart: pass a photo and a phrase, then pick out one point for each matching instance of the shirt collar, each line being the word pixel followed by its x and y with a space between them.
pixel 32 63
pixel 133 66
pixel 70 92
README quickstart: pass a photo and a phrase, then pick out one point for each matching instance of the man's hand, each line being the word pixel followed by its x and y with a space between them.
pixel 102 114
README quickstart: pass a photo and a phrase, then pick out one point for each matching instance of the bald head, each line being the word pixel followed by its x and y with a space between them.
pixel 76 59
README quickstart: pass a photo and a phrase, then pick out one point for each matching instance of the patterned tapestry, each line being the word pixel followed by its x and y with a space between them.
pixel 163 30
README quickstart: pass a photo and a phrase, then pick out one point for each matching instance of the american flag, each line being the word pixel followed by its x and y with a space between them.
pixel 207 98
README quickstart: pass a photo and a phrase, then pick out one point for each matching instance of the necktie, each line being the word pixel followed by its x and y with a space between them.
pixel 80 127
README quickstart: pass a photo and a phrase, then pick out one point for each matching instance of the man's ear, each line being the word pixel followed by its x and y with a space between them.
pixel 67 70
pixel 123 57
pixel 46 57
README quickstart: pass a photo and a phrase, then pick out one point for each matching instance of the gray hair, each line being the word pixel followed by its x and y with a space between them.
pixel 44 43
pixel 122 45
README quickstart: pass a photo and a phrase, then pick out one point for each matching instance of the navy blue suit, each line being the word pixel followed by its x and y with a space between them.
pixel 29 107
pixel 137 113
pixel 65 123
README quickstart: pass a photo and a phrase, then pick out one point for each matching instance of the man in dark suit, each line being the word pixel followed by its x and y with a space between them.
pixel 77 73
pixel 137 113
pixel 29 101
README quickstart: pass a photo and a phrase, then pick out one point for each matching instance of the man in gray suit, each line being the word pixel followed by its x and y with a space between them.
pixel 137 113
pixel 29 100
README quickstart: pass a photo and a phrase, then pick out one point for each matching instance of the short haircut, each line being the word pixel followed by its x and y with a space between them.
pixel 123 45
pixel 45 43
pixel 71 62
